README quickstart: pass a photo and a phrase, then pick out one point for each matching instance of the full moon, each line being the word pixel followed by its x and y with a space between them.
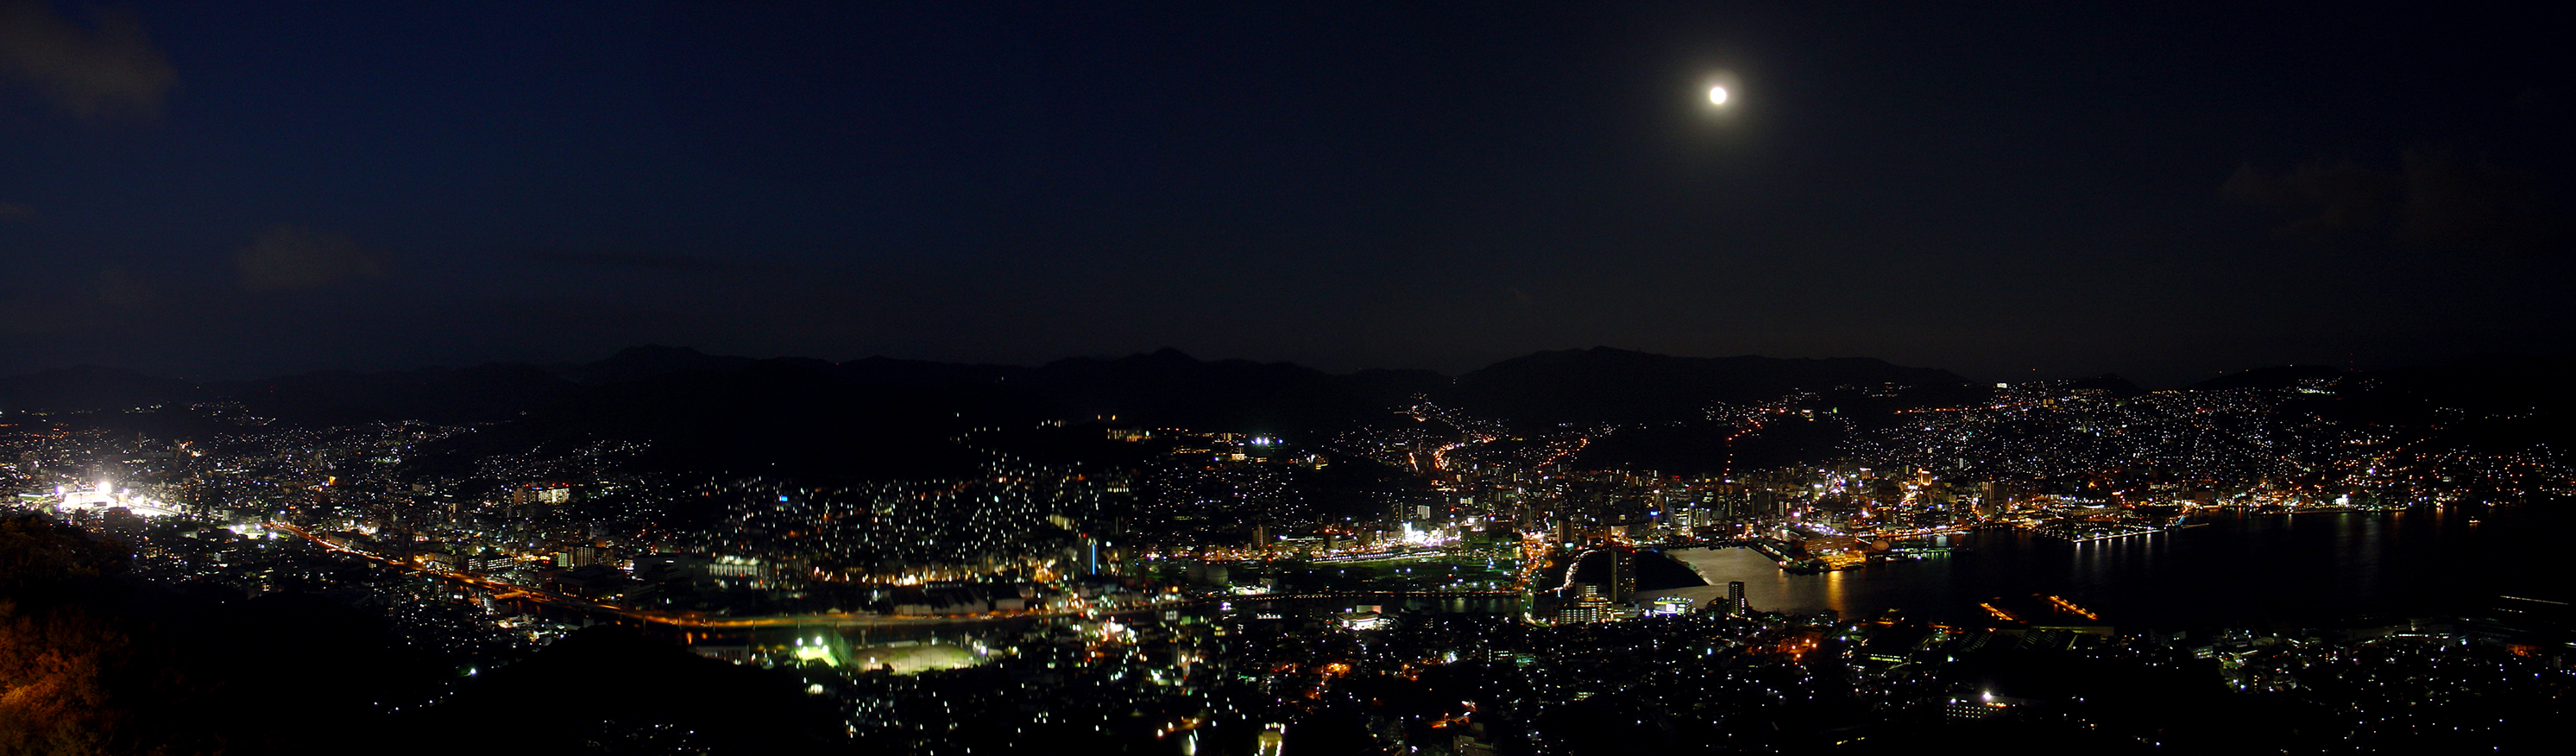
pixel 1716 95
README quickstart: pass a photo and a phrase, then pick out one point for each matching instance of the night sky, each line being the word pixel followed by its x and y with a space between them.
pixel 2043 189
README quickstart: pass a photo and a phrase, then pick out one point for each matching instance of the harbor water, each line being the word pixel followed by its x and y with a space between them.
pixel 2240 569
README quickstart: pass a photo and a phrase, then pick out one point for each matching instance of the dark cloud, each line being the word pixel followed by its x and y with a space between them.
pixel 15 211
pixel 106 68
pixel 2451 199
pixel 118 288
pixel 644 260
pixel 295 257
pixel 2350 199
pixel 2435 196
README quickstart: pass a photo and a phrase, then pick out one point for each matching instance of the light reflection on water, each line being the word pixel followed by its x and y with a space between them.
pixel 2311 567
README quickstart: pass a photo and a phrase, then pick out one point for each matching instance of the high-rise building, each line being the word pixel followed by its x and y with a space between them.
pixel 1735 597
pixel 1623 574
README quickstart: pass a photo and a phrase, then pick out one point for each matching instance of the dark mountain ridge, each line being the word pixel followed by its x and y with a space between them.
pixel 90 387
pixel 800 415
pixel 483 393
pixel 2281 377
pixel 1605 385
pixel 651 360
pixel 880 415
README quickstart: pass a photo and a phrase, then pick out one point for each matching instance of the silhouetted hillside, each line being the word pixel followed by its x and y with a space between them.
pixel 926 374
pixel 2502 387
pixel 2489 405
pixel 484 393
pixel 1168 388
pixel 2487 384
pixel 608 689
pixel 2110 383
pixel 95 660
pixel 2283 377
pixel 1173 389
pixel 1710 448
pixel 653 361
pixel 94 388
pixel 1604 385
pixel 879 416
pixel 1391 388
pixel 788 416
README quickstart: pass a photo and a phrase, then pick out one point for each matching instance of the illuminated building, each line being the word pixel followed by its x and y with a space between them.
pixel 1587 606
pixel 548 494
pixel 583 556
pixel 1475 742
pixel 1623 574
pixel 1984 704
pixel 1272 741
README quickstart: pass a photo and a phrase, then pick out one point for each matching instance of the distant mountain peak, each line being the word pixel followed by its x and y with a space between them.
pixel 2110 382
pixel 650 360
pixel 2276 377
pixel 1607 384
pixel 655 351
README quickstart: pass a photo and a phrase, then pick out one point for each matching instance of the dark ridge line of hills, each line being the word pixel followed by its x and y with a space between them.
pixel 878 417
pixel 1164 387
pixel 1573 387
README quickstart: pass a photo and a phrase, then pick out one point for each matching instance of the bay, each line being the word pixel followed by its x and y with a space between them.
pixel 2238 570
